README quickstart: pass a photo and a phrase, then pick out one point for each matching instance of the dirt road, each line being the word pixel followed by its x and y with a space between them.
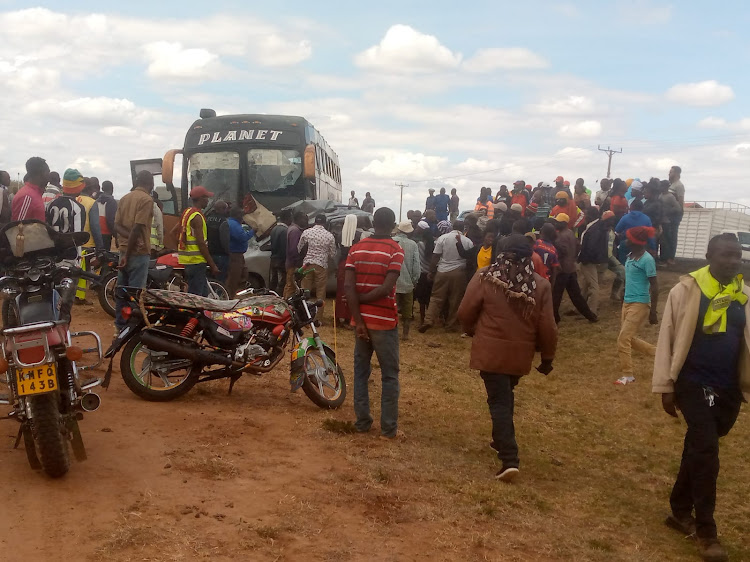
pixel 251 476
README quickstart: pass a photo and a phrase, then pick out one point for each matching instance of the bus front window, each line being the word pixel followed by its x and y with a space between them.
pixel 272 169
pixel 218 172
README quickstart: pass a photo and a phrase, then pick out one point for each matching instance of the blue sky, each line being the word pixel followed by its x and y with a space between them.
pixel 482 93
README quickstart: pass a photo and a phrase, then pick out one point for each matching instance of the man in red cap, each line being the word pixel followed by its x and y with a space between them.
pixel 641 297
pixel 192 246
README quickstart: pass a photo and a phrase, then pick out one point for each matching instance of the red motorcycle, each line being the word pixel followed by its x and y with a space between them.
pixel 175 340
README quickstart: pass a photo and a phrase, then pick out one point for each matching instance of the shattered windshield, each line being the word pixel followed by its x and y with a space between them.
pixel 271 169
pixel 218 172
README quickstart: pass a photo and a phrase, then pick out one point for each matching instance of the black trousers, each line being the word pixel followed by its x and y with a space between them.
pixel 277 279
pixel 569 282
pixel 500 399
pixel 696 482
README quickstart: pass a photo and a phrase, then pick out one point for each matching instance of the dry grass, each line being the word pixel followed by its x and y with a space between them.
pixel 597 460
pixel 204 461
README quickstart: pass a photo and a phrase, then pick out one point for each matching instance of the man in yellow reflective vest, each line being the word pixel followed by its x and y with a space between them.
pixel 91 226
pixel 192 247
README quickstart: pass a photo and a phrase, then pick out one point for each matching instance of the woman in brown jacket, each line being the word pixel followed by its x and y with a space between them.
pixel 507 309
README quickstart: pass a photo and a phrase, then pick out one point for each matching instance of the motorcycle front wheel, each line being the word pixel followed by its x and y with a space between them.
pixel 155 375
pixel 48 432
pixel 106 293
pixel 325 388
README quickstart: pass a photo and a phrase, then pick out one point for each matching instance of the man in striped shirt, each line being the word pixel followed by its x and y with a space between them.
pixel 372 268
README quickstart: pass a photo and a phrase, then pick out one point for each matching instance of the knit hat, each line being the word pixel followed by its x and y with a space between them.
pixel 639 235
pixel 532 208
pixel 444 227
pixel 516 207
pixel 72 182
pixel 607 215
pixel 562 217
pixel 562 195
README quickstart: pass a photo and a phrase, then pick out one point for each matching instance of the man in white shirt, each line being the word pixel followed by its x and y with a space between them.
pixel 320 247
pixel 448 269
pixel 353 201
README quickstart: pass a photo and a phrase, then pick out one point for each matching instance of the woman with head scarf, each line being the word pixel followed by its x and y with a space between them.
pixel 507 309
pixel 348 236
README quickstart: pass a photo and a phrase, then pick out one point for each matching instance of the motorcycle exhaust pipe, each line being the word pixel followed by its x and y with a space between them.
pixel 90 402
pixel 196 355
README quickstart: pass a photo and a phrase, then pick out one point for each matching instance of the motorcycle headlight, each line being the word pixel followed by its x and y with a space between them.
pixel 34 274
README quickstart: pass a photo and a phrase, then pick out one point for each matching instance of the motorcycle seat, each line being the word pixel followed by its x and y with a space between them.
pixel 187 300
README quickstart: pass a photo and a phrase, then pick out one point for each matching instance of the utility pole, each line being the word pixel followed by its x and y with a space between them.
pixel 401 199
pixel 610 153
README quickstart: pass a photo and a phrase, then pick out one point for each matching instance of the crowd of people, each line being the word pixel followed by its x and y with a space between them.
pixel 496 274
pixel 499 275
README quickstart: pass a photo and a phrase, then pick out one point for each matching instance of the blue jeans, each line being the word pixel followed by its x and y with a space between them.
pixel 197 280
pixel 135 274
pixel 222 262
pixel 385 345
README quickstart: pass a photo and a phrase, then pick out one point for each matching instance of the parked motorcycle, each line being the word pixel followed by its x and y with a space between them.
pixel 175 340
pixel 39 360
pixel 163 273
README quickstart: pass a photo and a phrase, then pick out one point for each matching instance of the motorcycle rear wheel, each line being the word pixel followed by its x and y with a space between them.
pixel 139 372
pixel 48 431
pixel 106 293
pixel 329 394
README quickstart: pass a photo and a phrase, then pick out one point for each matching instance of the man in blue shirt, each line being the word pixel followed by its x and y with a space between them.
pixel 641 298
pixel 238 239
pixel 636 217
pixel 442 204
pixel 700 370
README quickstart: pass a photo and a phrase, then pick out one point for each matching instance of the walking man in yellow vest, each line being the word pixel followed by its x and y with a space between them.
pixel 192 248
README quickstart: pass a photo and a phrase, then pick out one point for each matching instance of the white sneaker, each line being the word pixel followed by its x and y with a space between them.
pixel 507 474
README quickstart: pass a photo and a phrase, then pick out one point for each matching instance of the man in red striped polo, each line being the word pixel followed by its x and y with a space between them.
pixel 372 268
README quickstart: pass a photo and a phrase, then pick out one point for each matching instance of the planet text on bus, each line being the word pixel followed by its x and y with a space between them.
pixel 239 135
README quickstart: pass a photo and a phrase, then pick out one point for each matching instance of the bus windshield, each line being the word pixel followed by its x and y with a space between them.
pixel 271 169
pixel 218 172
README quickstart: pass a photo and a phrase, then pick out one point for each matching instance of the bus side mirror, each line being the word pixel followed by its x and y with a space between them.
pixel 308 167
pixel 167 165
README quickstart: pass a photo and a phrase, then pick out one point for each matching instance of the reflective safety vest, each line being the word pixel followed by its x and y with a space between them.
pixel 189 252
pixel 87 203
pixel 155 242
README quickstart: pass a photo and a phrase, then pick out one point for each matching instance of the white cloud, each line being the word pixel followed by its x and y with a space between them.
pixel 570 105
pixel 721 123
pixel 96 110
pixel 497 58
pixel 172 60
pixel 706 93
pixel 396 165
pixel 118 131
pixel 645 12
pixel 581 129
pixel 572 153
pixel 404 50
pixel 474 165
pixel 275 50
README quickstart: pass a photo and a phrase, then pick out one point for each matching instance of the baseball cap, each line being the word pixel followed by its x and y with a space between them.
pixel 519 182
pixel 562 195
pixel 406 227
pixel 562 217
pixel 199 191
pixel 559 178
pixel 500 206
pixel 516 207
pixel 431 190
pixel 566 183
pixel 423 225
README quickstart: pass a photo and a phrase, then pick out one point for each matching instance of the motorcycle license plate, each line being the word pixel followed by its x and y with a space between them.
pixel 36 380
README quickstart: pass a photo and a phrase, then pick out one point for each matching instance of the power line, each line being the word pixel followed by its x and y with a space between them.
pixel 610 153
